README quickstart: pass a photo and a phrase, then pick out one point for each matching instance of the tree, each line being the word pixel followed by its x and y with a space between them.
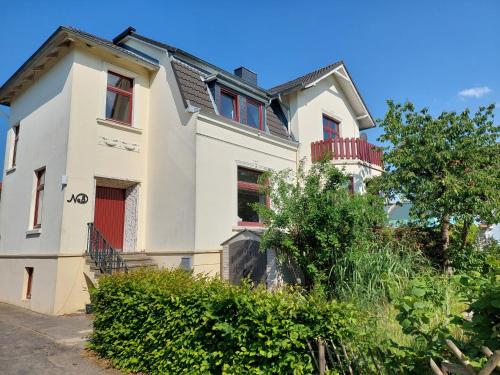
pixel 313 219
pixel 447 167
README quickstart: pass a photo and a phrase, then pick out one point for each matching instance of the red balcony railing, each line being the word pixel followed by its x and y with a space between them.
pixel 346 148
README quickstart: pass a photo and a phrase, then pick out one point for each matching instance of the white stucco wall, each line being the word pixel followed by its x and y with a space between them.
pixel 220 149
pixel 307 109
pixel 43 112
pixel 99 148
pixel 13 280
pixel 171 166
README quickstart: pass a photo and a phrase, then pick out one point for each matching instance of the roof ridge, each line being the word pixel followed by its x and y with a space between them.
pixel 303 78
pixel 189 66
pixel 180 51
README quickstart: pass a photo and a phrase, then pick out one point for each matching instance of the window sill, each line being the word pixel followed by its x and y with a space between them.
pixel 119 125
pixel 256 227
pixel 10 170
pixel 34 232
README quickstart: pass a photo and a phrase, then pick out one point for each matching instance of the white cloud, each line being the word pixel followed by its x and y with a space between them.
pixel 474 92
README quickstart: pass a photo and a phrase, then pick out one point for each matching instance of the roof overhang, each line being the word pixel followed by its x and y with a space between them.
pixel 363 116
pixel 55 47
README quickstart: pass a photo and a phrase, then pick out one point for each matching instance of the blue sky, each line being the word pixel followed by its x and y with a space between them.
pixel 441 54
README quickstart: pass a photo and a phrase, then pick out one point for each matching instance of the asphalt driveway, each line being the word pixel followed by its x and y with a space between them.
pixel 33 344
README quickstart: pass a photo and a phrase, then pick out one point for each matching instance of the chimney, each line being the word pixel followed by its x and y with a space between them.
pixel 246 75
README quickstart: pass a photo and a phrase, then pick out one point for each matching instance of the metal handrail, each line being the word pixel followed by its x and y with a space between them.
pixel 102 253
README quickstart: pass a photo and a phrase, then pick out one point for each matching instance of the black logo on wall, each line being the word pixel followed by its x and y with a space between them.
pixel 79 198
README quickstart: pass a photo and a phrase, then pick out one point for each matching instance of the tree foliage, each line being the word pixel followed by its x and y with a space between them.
pixel 313 220
pixel 447 166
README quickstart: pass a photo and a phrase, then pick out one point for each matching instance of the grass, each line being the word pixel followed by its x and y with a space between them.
pixel 373 274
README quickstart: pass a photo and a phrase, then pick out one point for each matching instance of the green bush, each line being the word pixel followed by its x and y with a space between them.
pixel 314 220
pixel 168 321
pixel 473 257
pixel 482 293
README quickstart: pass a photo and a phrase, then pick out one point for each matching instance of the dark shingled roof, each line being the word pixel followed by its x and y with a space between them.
pixel 195 91
pixel 192 88
pixel 275 125
pixel 305 79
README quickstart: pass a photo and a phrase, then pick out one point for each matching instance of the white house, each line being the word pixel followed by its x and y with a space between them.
pixel 158 149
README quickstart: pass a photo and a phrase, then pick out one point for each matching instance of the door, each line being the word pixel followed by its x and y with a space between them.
pixel 109 215
pixel 246 260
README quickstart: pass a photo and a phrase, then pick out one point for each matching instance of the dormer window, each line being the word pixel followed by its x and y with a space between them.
pixel 330 128
pixel 254 114
pixel 229 104
pixel 119 98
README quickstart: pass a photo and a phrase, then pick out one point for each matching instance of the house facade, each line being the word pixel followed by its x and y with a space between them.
pixel 159 150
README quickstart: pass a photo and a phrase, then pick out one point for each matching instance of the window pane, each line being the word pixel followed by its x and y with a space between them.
pixel 247 175
pixel 330 128
pixel 253 118
pixel 117 107
pixel 120 82
pixel 245 199
pixel 326 135
pixel 41 177
pixel 227 105
pixel 39 208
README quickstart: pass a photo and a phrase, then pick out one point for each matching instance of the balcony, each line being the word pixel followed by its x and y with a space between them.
pixel 345 149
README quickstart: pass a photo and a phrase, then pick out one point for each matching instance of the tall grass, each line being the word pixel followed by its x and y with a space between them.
pixel 370 273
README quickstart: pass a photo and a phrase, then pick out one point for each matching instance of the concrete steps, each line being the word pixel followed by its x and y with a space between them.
pixel 134 261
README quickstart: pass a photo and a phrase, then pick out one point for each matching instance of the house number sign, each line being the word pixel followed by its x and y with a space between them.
pixel 80 198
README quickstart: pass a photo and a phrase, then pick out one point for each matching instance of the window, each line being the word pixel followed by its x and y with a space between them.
pixel 29 281
pixel 330 128
pixel 40 186
pixel 119 98
pixel 229 104
pixel 248 194
pixel 14 146
pixel 254 114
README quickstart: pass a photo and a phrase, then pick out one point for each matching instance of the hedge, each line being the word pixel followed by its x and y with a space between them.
pixel 169 321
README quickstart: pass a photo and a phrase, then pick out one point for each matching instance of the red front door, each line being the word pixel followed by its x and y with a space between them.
pixel 109 215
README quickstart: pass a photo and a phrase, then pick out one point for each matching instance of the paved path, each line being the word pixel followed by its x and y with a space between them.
pixel 34 344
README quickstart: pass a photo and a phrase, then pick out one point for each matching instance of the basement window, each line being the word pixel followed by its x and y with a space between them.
pixel 29 281
pixel 119 98
pixel 249 193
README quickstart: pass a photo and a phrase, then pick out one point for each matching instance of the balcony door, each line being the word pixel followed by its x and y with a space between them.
pixel 109 214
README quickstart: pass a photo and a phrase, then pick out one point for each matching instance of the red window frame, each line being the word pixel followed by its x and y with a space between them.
pixel 120 91
pixel 14 148
pixel 250 186
pixel 29 271
pixel 258 105
pixel 335 130
pixel 225 91
pixel 39 187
